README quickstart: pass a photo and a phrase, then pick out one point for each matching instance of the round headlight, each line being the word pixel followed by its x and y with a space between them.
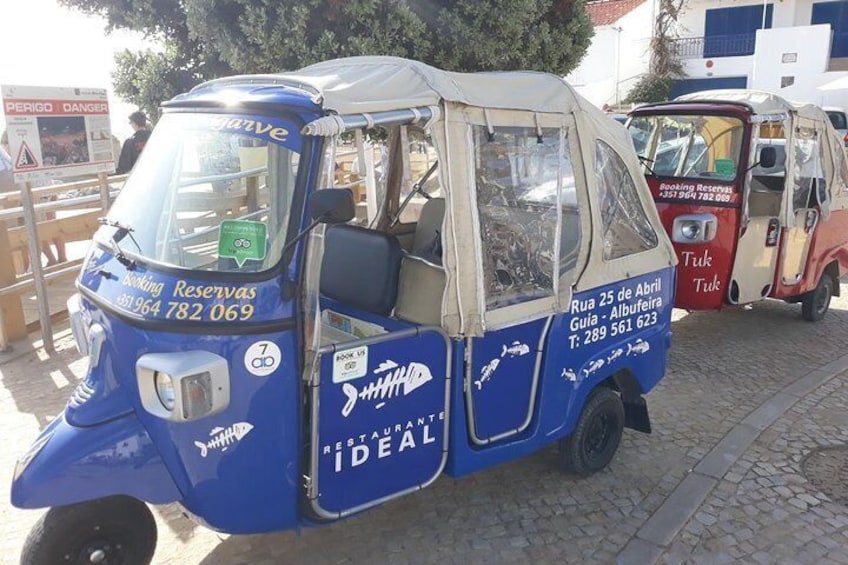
pixel 165 389
pixel 691 230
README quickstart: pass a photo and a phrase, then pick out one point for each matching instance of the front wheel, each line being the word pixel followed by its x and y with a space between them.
pixel 594 441
pixel 118 530
pixel 815 303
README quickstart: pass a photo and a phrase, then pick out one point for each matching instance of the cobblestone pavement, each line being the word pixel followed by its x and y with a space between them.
pixel 728 373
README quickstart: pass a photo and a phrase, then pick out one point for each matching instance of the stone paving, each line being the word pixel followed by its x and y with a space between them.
pixel 728 373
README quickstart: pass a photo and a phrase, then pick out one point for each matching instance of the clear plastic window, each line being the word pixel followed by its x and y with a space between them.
pixel 626 228
pixel 807 167
pixel 517 178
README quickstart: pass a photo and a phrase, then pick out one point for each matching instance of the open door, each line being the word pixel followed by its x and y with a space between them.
pixel 379 420
pixel 756 254
pixel 755 261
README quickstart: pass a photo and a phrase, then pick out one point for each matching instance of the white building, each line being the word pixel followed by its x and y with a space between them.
pixel 795 48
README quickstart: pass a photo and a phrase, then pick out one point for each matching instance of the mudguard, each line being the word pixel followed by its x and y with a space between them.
pixel 69 464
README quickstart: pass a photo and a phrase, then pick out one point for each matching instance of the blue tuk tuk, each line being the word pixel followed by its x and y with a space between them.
pixel 320 290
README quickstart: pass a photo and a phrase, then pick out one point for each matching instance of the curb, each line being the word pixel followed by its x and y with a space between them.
pixel 649 542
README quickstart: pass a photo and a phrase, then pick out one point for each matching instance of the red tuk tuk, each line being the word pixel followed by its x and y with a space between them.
pixel 752 190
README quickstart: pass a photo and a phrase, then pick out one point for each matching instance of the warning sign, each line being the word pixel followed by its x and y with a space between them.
pixel 57 132
pixel 26 160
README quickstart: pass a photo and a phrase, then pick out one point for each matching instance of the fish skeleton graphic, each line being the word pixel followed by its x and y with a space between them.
pixel 517 349
pixel 593 366
pixel 487 372
pixel 615 355
pixel 401 381
pixel 222 438
pixel 638 348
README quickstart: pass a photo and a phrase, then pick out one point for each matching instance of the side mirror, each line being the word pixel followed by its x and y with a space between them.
pixel 332 206
pixel 768 157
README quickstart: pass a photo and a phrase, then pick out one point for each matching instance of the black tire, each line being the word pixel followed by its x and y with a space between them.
pixel 594 441
pixel 815 303
pixel 120 529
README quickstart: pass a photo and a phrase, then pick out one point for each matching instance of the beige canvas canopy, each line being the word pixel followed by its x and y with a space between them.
pixel 761 102
pixel 362 91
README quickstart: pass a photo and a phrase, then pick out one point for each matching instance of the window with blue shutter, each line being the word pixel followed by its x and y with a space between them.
pixel 835 14
pixel 733 31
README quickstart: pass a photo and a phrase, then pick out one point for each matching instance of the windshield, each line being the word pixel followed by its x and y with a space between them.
pixel 692 147
pixel 210 192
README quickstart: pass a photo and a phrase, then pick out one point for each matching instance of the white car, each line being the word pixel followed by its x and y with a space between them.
pixel 839 120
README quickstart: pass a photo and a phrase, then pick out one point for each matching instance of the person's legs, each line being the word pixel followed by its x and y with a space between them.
pixel 51 258
pixel 61 255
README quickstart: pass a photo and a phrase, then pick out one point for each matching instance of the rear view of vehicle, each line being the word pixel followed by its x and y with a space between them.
pixel 751 189
pixel 839 121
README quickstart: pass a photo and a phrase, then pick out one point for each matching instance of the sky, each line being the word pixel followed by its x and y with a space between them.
pixel 45 44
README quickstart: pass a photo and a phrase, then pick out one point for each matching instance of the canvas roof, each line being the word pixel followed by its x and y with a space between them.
pixel 347 86
pixel 762 102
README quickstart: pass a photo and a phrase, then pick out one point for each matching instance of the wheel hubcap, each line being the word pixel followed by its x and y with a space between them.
pixel 101 551
pixel 823 299
pixel 598 435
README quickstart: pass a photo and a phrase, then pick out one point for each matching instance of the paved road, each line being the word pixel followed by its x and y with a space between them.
pixel 749 397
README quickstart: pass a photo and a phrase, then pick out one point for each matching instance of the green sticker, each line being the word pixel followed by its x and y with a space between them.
pixel 725 167
pixel 242 240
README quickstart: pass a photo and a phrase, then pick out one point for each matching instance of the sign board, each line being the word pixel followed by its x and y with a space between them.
pixel 57 132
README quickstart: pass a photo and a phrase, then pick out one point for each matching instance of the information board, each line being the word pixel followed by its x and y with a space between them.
pixel 57 132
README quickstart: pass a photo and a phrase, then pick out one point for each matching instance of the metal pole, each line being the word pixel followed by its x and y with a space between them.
pixel 35 265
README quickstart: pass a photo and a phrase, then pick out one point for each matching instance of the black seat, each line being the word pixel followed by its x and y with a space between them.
pixel 361 268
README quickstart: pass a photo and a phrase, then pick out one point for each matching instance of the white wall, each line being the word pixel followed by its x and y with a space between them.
pixel 597 75
pixel 812 45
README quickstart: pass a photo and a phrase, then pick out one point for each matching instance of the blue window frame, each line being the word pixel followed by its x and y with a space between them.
pixel 835 14
pixel 729 32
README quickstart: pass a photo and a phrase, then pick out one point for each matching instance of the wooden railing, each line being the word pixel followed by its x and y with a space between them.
pixel 30 218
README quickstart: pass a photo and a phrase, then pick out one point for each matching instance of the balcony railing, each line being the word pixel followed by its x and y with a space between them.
pixel 716 46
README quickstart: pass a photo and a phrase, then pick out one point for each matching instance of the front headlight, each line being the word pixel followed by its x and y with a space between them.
pixel 184 385
pixel 690 229
pixel 165 389
pixel 694 228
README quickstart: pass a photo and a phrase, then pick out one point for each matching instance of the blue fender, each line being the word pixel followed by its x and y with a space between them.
pixel 69 464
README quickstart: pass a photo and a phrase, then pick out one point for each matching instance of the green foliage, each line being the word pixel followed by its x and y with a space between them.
pixel 650 88
pixel 205 39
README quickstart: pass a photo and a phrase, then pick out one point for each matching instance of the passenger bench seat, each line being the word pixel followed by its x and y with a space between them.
pixel 422 278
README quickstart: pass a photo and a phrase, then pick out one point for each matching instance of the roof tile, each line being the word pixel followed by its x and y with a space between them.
pixel 606 12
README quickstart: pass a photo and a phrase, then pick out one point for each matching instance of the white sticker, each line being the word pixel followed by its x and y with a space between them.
pixel 262 358
pixel 350 364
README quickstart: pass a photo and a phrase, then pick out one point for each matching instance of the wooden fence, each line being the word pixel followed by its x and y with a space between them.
pixel 30 218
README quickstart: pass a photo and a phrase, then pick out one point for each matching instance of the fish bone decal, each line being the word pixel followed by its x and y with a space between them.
pixel 615 355
pixel 517 349
pixel 593 366
pixel 487 372
pixel 638 348
pixel 222 438
pixel 401 381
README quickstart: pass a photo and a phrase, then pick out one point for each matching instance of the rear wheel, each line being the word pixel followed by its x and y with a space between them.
pixel 118 530
pixel 594 441
pixel 815 303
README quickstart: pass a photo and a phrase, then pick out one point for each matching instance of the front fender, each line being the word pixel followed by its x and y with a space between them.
pixel 69 464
